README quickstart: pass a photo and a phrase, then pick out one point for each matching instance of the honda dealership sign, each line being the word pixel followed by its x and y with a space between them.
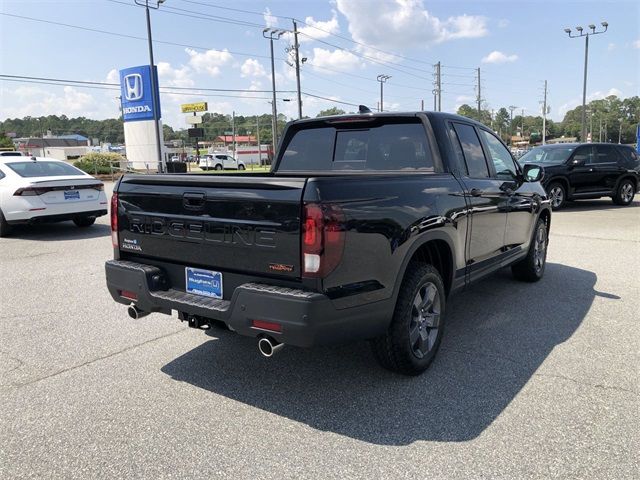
pixel 137 95
pixel 140 123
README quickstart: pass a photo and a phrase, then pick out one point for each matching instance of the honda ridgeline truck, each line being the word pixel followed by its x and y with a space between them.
pixel 363 229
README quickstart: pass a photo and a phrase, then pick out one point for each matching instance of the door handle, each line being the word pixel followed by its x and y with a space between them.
pixel 476 192
pixel 193 201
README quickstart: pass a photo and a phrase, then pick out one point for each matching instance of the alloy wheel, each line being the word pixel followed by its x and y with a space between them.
pixel 557 196
pixel 539 249
pixel 626 192
pixel 425 319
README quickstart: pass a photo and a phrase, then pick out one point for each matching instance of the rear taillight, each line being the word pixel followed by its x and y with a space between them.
pixel 323 235
pixel 30 192
pixel 114 219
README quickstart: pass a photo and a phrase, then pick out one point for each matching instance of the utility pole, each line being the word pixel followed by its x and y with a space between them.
pixel 382 79
pixel 233 132
pixel 600 131
pixel 258 139
pixel 511 109
pixel 422 105
pixel 479 98
pixel 439 86
pixel 273 34
pixel 620 132
pixel 155 92
pixel 522 123
pixel 586 58
pixel 297 47
pixel 544 115
pixel 606 134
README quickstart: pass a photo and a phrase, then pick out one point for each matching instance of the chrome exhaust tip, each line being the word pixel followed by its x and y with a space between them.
pixel 135 313
pixel 268 347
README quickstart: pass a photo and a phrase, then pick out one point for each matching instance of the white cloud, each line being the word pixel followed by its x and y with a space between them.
pixel 70 101
pixel 252 68
pixel 113 76
pixel 404 24
pixel 499 57
pixel 269 20
pixel 598 95
pixel 209 61
pixel 636 44
pixel 174 77
pixel 335 59
pixel 317 29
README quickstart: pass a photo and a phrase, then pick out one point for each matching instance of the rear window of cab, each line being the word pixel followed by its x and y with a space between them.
pixel 358 146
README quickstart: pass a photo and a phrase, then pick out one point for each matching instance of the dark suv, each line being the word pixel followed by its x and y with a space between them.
pixel 575 171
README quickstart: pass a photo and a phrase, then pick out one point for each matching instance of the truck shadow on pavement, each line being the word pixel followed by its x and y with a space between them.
pixel 52 232
pixel 498 333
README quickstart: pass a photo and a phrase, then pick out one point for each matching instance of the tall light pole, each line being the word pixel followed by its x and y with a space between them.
pixel 273 34
pixel 382 79
pixel 511 109
pixel 586 36
pixel 154 88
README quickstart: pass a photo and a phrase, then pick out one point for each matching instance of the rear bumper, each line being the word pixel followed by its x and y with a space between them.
pixel 307 318
pixel 60 217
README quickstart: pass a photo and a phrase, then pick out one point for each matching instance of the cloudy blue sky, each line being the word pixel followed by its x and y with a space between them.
pixel 517 45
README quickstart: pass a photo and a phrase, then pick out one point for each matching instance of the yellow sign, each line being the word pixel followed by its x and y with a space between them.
pixel 194 107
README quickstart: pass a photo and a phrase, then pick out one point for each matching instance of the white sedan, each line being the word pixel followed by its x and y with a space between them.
pixel 36 190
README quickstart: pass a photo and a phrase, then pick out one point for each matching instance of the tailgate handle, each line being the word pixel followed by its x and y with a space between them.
pixel 193 201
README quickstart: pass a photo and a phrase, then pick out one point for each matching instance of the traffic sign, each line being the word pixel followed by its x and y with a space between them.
pixel 193 119
pixel 194 107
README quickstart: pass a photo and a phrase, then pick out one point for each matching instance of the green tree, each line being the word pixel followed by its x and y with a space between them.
pixel 330 111
pixel 5 142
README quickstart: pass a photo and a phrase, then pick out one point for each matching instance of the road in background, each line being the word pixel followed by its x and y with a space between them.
pixel 532 380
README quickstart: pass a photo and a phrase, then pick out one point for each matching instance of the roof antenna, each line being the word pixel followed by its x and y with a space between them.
pixel 363 109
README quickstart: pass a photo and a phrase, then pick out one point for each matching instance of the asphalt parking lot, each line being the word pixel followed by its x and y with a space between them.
pixel 532 380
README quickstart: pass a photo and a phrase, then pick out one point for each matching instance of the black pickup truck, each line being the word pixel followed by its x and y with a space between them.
pixel 363 229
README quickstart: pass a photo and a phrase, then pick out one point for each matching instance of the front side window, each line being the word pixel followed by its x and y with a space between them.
pixel 583 154
pixel 43 169
pixel 472 149
pixel 500 157
pixel 386 147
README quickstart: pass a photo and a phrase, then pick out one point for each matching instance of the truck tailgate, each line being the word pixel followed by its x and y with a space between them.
pixel 244 223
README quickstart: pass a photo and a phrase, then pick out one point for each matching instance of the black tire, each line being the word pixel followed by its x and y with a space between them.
pixel 625 192
pixel 531 268
pixel 241 167
pixel 218 167
pixel 557 194
pixel 84 221
pixel 414 335
pixel 5 228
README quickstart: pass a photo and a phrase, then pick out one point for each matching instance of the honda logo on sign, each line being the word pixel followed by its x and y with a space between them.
pixel 133 87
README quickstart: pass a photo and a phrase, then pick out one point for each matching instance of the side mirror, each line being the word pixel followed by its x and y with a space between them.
pixel 578 160
pixel 532 173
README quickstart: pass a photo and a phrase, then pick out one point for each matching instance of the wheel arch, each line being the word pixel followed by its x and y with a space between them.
pixel 436 249
pixel 560 179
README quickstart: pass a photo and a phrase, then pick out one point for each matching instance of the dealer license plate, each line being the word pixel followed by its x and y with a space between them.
pixel 71 195
pixel 203 282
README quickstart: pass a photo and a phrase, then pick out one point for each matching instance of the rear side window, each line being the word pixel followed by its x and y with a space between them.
pixel 472 149
pixel 629 154
pixel 388 147
pixel 43 169
pixel 2 175
pixel 605 154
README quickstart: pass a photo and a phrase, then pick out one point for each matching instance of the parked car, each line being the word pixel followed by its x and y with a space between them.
pixel 362 230
pixel 37 190
pixel 219 161
pixel 576 171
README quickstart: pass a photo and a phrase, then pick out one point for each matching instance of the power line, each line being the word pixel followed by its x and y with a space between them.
pixel 124 35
